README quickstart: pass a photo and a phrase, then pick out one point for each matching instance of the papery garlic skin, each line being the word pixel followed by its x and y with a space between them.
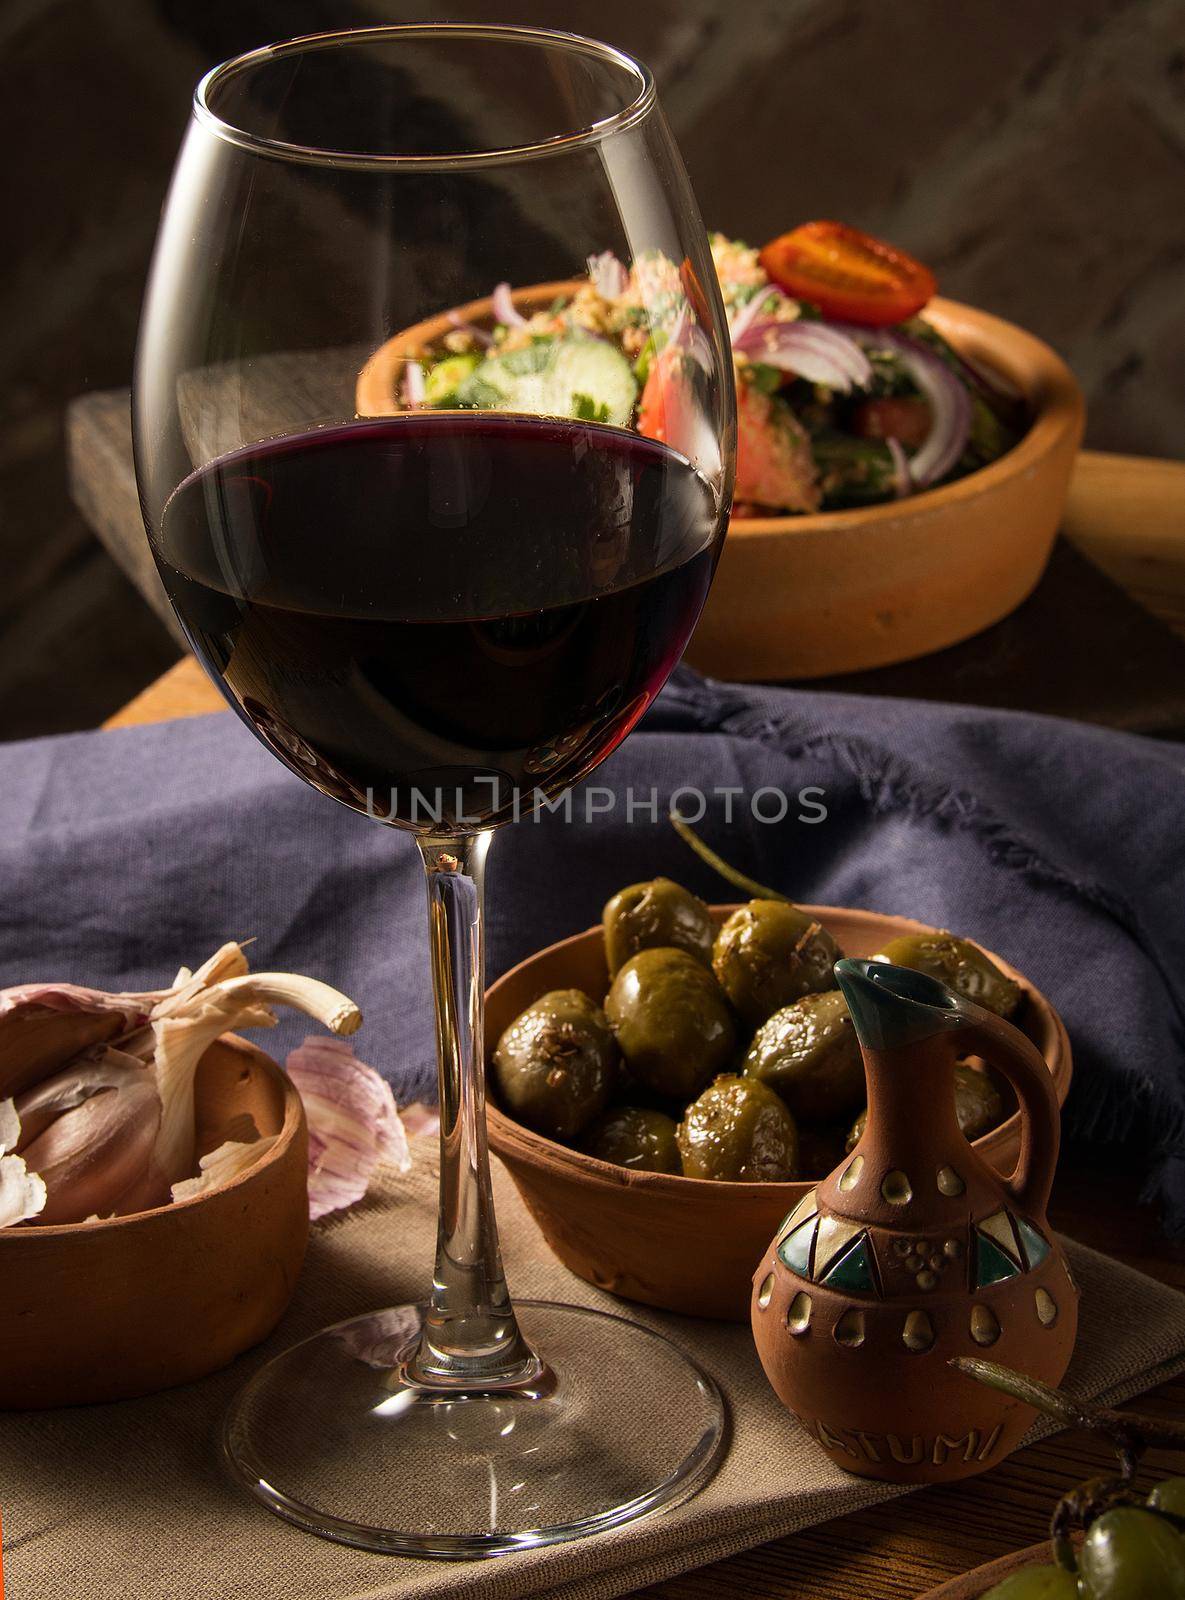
pixel 10 1127
pixel 185 1028
pixel 22 1193
pixel 220 1166
pixel 353 1123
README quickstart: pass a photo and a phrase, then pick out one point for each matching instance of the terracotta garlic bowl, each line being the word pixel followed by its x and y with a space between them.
pixel 98 1311
pixel 687 1244
pixel 915 1250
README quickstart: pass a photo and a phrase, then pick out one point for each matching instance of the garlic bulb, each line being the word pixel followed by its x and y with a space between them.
pixel 104 1084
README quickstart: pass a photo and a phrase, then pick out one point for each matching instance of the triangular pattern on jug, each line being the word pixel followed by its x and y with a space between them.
pixel 834 1235
pixel 853 1269
pixel 999 1228
pixel 795 1249
pixel 992 1265
pixel 1033 1242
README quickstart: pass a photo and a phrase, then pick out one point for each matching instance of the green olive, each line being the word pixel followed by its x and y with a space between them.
pixel 556 1064
pixel 770 953
pixel 635 1137
pixel 739 1131
pixel 652 915
pixel 958 963
pixel 1130 1554
pixel 1036 1583
pixel 978 1105
pixel 672 1022
pixel 809 1053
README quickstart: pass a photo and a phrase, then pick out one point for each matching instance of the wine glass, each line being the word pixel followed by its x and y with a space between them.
pixel 441 609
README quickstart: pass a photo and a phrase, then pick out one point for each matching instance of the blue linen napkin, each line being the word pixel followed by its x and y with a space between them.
pixel 1061 846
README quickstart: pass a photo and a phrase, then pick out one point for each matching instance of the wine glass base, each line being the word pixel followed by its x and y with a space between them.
pixel 332 1436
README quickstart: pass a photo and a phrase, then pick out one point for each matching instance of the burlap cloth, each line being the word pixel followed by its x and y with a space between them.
pixel 129 1500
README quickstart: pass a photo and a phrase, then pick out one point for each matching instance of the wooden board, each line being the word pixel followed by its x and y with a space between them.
pixel 1127 514
pixel 183 691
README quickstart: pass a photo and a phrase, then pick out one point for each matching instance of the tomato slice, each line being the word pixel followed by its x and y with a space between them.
pixel 848 274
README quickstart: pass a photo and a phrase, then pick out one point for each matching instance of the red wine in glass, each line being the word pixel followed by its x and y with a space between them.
pixel 440 617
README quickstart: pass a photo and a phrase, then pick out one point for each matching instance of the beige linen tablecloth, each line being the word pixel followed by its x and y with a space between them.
pixel 128 1502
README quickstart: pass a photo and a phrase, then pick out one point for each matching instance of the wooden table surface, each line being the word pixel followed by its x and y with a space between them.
pixel 1129 516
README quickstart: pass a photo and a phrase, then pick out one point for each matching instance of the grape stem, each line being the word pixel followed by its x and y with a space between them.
pixel 739 880
pixel 1129 1434
pixel 1127 1430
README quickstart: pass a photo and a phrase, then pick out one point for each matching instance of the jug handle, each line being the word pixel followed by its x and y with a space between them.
pixel 1010 1052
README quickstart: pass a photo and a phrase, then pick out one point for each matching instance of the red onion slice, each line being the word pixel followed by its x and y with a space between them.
pixel 815 351
pixel 749 312
pixel 688 336
pixel 413 385
pixel 609 277
pixel 505 309
pixel 950 403
pixel 483 338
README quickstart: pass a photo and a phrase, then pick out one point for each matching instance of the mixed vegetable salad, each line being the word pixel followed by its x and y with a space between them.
pixel 845 395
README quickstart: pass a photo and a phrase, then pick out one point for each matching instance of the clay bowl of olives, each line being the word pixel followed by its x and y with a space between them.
pixel 660 1125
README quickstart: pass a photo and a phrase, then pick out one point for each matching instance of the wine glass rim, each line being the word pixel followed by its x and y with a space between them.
pixel 624 117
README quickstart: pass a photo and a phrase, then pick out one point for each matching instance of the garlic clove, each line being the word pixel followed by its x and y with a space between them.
pixel 96 1157
pixel 353 1123
pixel 419 1120
pixel 22 1193
pixel 102 1067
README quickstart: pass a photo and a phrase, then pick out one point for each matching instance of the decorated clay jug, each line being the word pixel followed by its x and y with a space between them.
pixel 914 1250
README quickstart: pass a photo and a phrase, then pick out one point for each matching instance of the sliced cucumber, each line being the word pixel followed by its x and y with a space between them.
pixel 585 378
pixel 447 377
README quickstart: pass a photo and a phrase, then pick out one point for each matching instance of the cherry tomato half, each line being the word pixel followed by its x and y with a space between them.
pixel 848 274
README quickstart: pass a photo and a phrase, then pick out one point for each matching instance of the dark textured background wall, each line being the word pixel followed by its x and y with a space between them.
pixel 1032 150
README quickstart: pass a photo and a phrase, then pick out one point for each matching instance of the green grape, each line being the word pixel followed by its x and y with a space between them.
pixel 1036 1583
pixel 1131 1555
pixel 1169 1496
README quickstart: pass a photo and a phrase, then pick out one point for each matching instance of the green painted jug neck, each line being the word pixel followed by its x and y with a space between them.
pixel 893 1006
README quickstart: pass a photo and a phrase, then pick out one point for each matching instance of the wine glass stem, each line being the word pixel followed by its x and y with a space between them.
pixel 470 1338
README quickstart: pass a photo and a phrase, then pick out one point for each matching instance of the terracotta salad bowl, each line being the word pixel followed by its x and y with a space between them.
pixel 806 596
pixel 688 1244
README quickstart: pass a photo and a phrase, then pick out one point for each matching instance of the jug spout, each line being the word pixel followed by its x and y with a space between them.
pixel 895 1006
